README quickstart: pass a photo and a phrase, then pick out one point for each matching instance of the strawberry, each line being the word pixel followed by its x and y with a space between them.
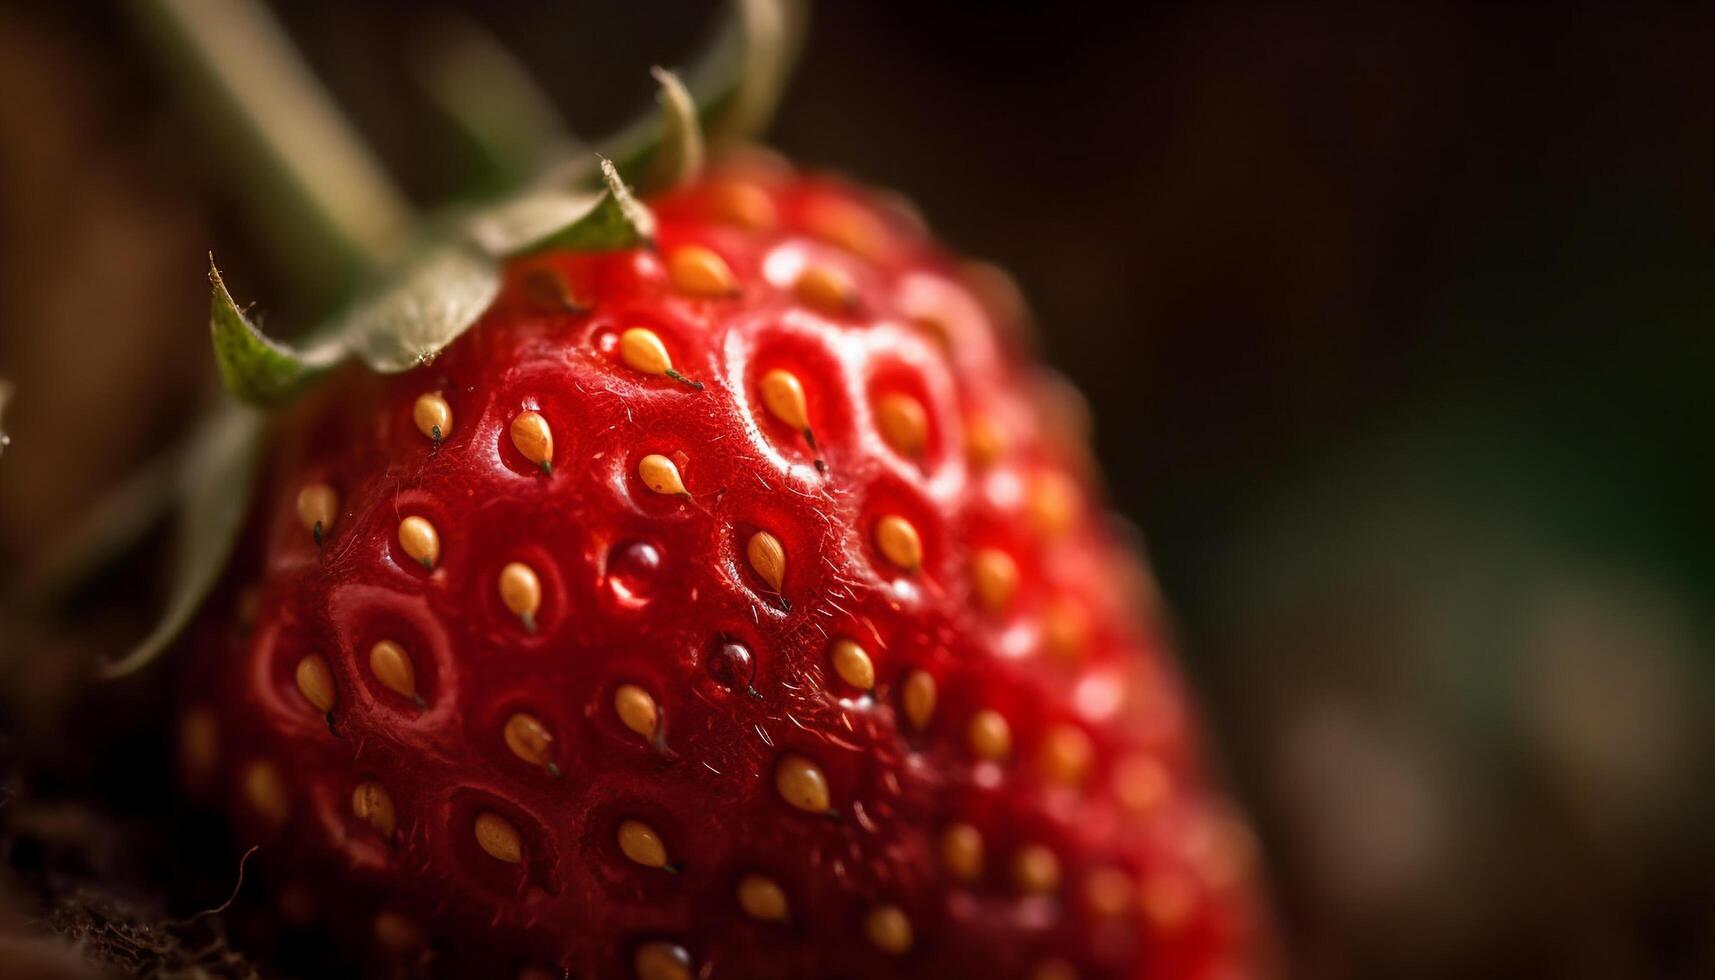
pixel 711 587
pixel 726 607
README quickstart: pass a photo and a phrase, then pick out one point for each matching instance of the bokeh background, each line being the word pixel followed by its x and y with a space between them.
pixel 1394 322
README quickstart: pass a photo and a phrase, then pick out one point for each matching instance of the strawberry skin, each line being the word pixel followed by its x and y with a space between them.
pixel 736 607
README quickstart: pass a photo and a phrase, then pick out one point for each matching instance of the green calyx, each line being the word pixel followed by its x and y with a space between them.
pixel 424 295
pixel 257 370
pixel 432 297
pixel 438 291
pixel 679 157
pixel 615 220
pixel 214 487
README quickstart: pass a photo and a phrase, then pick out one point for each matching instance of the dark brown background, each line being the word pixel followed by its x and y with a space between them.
pixel 1395 323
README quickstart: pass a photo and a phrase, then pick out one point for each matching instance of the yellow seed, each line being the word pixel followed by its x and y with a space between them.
pixel 995 577
pixel 1141 783
pixel 903 423
pixel 1066 754
pixel 315 682
pixel 1109 892
pixel 534 439
pixel 642 350
pixel 661 961
pixel 768 557
pixel 984 441
pixel 199 742
pixel 496 836
pixel 962 851
pixel 1054 970
pixel 783 395
pixel 371 804
pixel 318 509
pixel 762 898
pixel 1036 870
pixel 1051 504
pixel 521 591
pixel 853 664
pixel 888 929
pixel 802 783
pixel 265 790
pixel 392 667
pixel 419 539
pixel 989 735
pixel 700 272
pixel 1167 898
pixel 642 845
pixel 897 540
pixel 847 225
pixel 660 474
pixel 636 709
pixel 1065 629
pixel 434 417
pixel 917 697
pixel 825 289
pixel 935 328
pixel 529 739
pixel 398 934
pixel 743 204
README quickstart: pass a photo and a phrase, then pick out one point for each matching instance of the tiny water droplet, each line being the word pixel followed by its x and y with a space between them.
pixel 632 570
pixel 730 664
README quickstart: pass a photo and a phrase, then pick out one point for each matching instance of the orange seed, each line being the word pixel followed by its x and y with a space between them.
pixel 433 416
pixel 315 682
pixel 699 271
pixel 498 838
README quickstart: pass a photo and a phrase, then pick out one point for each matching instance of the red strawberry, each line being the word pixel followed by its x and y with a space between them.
pixel 732 607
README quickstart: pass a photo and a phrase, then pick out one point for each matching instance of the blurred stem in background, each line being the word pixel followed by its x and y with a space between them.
pixel 310 179
pixel 509 124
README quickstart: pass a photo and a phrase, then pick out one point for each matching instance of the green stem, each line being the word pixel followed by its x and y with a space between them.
pixel 490 98
pixel 312 176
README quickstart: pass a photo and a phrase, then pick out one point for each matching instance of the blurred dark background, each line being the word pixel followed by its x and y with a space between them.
pixel 1394 323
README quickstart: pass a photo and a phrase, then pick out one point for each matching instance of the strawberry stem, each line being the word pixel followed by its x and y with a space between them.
pixel 489 96
pixel 309 172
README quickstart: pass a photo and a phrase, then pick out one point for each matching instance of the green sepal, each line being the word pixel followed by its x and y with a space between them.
pixel 257 369
pixel 214 497
pixel 734 85
pixel 422 308
pixel 616 220
pixel 679 158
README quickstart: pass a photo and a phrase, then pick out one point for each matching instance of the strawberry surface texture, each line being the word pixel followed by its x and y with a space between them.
pixel 736 605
